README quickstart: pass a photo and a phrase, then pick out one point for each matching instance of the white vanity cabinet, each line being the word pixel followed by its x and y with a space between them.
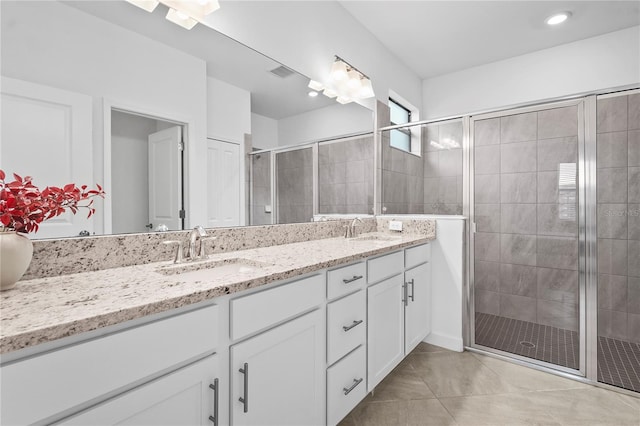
pixel 277 375
pixel 398 308
pixel 188 396
pixel 53 385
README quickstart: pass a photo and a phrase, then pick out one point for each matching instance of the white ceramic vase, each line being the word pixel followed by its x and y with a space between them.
pixel 16 251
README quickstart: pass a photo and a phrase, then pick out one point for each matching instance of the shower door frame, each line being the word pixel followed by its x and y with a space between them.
pixel 586 221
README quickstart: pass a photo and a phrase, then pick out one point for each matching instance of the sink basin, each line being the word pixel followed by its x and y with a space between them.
pixel 210 269
pixel 375 237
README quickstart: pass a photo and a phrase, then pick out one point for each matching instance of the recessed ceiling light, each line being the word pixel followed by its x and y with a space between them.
pixel 558 18
pixel 313 94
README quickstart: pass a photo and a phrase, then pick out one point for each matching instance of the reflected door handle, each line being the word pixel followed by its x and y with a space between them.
pixel 150 226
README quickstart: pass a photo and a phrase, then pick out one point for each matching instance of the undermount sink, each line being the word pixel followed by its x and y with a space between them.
pixel 375 237
pixel 208 269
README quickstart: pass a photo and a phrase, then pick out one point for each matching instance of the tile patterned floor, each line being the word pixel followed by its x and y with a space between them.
pixel 434 386
pixel 618 361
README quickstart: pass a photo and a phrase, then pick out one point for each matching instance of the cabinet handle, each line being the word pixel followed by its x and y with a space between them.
pixel 405 296
pixel 245 397
pixel 355 278
pixel 413 289
pixel 348 390
pixel 215 387
pixel 349 327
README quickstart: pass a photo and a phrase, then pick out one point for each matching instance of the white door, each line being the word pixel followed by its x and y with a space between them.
pixel 183 397
pixel 418 307
pixel 165 178
pixel 223 184
pixel 283 380
pixel 385 332
pixel 47 134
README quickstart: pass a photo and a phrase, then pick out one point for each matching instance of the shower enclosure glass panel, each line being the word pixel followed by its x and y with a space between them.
pixel 618 228
pixel 261 208
pixel 525 271
pixel 294 185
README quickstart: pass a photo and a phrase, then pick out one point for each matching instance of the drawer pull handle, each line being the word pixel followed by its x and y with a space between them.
pixel 348 390
pixel 355 278
pixel 245 397
pixel 215 387
pixel 349 327
pixel 413 289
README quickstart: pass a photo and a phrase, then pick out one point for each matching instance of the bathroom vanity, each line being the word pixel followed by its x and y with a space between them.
pixel 290 334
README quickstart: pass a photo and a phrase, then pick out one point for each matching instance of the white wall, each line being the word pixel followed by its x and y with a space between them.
pixel 264 132
pixel 306 35
pixel 55 45
pixel 327 122
pixel 228 111
pixel 607 61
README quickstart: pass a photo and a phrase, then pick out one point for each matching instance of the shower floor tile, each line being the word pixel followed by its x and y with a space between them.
pixel 618 361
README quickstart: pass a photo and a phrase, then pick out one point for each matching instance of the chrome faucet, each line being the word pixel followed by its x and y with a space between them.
pixel 350 231
pixel 197 233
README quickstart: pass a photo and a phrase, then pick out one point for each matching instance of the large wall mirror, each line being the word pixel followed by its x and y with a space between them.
pixel 102 91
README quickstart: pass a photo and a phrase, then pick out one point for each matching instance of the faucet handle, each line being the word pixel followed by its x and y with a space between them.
pixel 203 252
pixel 178 256
pixel 200 230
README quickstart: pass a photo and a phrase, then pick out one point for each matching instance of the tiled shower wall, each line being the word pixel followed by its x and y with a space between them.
pixel 618 195
pixel 429 183
pixel 526 245
pixel 345 176
pixel 442 154
pixel 261 189
pixel 294 180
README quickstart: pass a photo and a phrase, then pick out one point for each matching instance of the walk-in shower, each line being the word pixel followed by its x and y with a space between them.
pixel 555 236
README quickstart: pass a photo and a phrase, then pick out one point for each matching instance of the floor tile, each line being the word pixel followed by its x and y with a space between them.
pixel 592 406
pixel 401 384
pixel 456 374
pixel 428 412
pixel 426 347
pixel 507 409
pixel 525 378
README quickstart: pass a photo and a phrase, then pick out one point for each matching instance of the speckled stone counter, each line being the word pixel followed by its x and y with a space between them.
pixel 45 309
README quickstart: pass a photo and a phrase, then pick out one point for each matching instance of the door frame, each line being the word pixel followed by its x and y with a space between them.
pixel 109 105
pixel 586 184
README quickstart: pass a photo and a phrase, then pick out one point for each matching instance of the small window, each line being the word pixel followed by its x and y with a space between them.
pixel 400 138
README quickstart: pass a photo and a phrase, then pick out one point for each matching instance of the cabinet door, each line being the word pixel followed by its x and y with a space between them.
pixel 183 397
pixel 386 328
pixel 281 382
pixel 418 306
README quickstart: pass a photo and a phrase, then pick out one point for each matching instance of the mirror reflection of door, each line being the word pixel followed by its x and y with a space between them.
pixel 146 173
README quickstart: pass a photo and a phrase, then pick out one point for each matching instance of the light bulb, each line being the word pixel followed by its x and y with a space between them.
pixel 329 93
pixel 344 99
pixel 315 85
pixel 366 91
pixel 354 80
pixel 313 93
pixel 339 70
pixel 558 18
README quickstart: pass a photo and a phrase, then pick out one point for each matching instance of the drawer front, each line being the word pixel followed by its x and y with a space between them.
pixel 346 325
pixel 346 385
pixel 261 310
pixel 414 256
pixel 45 385
pixel 385 266
pixel 344 280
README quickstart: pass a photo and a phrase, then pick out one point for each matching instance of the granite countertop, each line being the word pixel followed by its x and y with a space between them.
pixel 45 309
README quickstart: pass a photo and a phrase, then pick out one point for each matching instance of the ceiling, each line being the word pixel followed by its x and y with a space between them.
pixel 438 37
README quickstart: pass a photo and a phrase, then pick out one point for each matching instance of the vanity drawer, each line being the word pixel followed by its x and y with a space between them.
pixel 263 309
pixel 346 385
pixel 385 266
pixel 346 325
pixel 346 279
pixel 47 384
pixel 414 256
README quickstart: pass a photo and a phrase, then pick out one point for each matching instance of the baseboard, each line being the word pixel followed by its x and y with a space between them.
pixel 445 341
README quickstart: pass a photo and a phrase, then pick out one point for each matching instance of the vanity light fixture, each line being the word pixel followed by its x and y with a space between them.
pixel 186 13
pixel 557 18
pixel 346 84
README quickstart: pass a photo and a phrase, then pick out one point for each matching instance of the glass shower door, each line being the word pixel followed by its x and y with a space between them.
pixel 525 263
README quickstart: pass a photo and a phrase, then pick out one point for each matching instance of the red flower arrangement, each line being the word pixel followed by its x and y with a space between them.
pixel 23 206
